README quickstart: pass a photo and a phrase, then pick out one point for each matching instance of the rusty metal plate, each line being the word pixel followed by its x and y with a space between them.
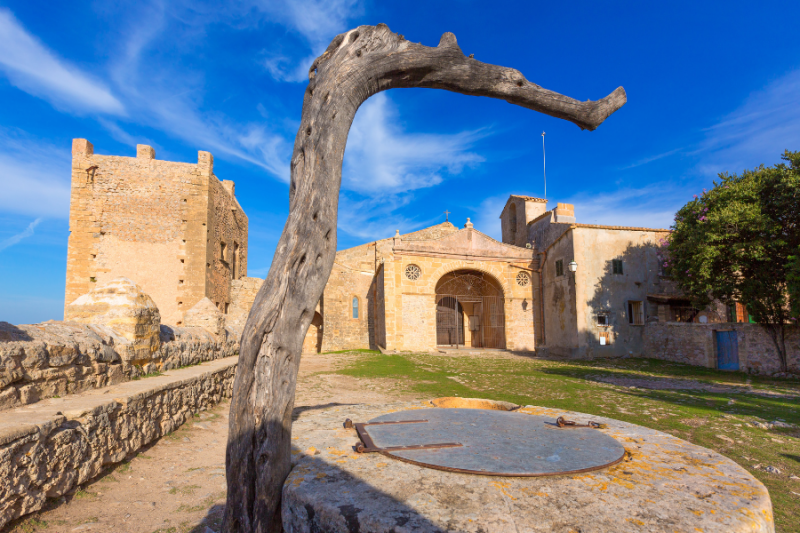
pixel 499 443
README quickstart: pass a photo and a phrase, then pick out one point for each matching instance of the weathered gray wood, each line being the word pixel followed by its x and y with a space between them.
pixel 356 65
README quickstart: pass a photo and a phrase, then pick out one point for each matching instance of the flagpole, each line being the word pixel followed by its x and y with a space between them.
pixel 544 168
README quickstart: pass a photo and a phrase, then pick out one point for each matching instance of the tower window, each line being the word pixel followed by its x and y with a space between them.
pixel 355 307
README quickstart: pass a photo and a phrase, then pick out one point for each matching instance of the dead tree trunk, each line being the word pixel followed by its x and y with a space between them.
pixel 356 65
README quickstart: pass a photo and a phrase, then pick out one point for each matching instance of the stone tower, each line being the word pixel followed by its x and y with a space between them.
pixel 173 228
pixel 518 212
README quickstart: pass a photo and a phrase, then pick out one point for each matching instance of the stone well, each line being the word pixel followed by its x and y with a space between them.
pixel 663 484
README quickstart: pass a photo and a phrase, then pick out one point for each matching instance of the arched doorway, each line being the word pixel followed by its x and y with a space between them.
pixel 470 310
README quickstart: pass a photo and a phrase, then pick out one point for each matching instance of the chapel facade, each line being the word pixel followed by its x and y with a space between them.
pixel 440 286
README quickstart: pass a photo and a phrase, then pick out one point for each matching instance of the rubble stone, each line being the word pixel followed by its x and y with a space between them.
pixel 121 305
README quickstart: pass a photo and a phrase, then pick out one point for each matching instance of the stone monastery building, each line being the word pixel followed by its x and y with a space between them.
pixel 448 287
pixel 553 284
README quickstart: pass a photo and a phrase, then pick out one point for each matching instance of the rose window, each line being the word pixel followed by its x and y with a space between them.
pixel 413 272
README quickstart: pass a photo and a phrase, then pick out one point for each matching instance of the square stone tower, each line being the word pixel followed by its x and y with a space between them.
pixel 173 228
pixel 518 211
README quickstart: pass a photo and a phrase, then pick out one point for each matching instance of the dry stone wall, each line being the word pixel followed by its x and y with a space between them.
pixel 695 344
pixel 48 450
pixel 54 359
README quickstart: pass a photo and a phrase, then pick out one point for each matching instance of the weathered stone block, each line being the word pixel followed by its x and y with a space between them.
pixel 120 304
pixel 205 315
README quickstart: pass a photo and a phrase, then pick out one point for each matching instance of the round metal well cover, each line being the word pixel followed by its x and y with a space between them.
pixel 495 442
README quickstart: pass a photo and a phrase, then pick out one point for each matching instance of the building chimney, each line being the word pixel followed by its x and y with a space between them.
pixel 565 214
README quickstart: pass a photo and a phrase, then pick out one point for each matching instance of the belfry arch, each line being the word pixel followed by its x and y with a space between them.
pixel 470 310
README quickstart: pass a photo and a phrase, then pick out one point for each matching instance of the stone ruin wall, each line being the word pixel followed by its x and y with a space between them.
pixel 53 453
pixel 156 222
pixel 227 225
pixel 243 294
pixel 694 344
pixel 54 359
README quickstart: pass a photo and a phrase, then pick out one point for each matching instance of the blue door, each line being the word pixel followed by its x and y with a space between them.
pixel 727 350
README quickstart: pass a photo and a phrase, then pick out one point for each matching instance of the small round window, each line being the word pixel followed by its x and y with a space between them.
pixel 413 272
pixel 523 280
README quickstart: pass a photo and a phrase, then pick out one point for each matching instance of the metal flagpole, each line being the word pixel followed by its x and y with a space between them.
pixel 544 168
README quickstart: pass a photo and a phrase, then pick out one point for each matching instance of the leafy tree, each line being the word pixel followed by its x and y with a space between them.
pixel 740 242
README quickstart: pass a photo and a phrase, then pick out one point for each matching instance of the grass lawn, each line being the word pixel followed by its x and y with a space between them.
pixel 710 408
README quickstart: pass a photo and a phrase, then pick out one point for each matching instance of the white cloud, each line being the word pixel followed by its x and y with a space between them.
pixel 34 177
pixel 316 21
pixel 383 159
pixel 30 66
pixel 487 215
pixel 766 124
pixel 653 206
pixel 27 232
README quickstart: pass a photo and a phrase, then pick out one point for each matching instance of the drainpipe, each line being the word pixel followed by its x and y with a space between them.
pixel 542 262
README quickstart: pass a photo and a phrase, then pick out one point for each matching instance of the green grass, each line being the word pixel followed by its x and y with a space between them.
pixel 698 416
pixel 360 350
pixel 186 490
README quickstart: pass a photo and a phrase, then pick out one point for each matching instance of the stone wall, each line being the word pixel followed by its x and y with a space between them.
pixel 353 276
pixel 695 344
pixel 243 294
pixel 227 251
pixel 156 222
pixel 48 450
pixel 54 359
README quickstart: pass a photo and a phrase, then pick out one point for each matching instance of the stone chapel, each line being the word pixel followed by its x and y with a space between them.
pixel 449 287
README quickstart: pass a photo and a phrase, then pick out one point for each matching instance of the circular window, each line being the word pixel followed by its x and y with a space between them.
pixel 413 272
pixel 523 280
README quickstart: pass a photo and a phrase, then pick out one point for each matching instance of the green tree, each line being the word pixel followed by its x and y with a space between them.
pixel 739 242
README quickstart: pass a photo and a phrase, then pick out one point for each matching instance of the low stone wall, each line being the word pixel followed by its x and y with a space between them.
pixel 695 344
pixel 49 448
pixel 54 359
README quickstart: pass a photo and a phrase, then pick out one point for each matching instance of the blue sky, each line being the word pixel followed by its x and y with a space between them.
pixel 712 86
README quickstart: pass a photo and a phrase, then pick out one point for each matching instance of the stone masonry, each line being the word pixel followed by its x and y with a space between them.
pixel 173 228
pixel 48 449
pixel 695 344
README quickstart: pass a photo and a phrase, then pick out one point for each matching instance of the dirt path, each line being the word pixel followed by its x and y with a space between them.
pixel 177 484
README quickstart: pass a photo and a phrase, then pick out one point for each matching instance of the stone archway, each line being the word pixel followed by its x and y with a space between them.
pixel 470 310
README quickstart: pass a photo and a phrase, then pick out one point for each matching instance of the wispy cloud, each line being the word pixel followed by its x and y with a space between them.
pixel 30 66
pixel 653 206
pixel 758 131
pixel 381 158
pixel 652 158
pixel 34 176
pixel 315 21
pixel 27 232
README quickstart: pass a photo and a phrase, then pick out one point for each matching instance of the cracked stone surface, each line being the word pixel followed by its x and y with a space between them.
pixel 665 484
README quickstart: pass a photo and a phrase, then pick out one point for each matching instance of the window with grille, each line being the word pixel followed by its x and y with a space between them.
pixel 636 313
pixel 560 267
pixel 355 307
pixel 616 265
